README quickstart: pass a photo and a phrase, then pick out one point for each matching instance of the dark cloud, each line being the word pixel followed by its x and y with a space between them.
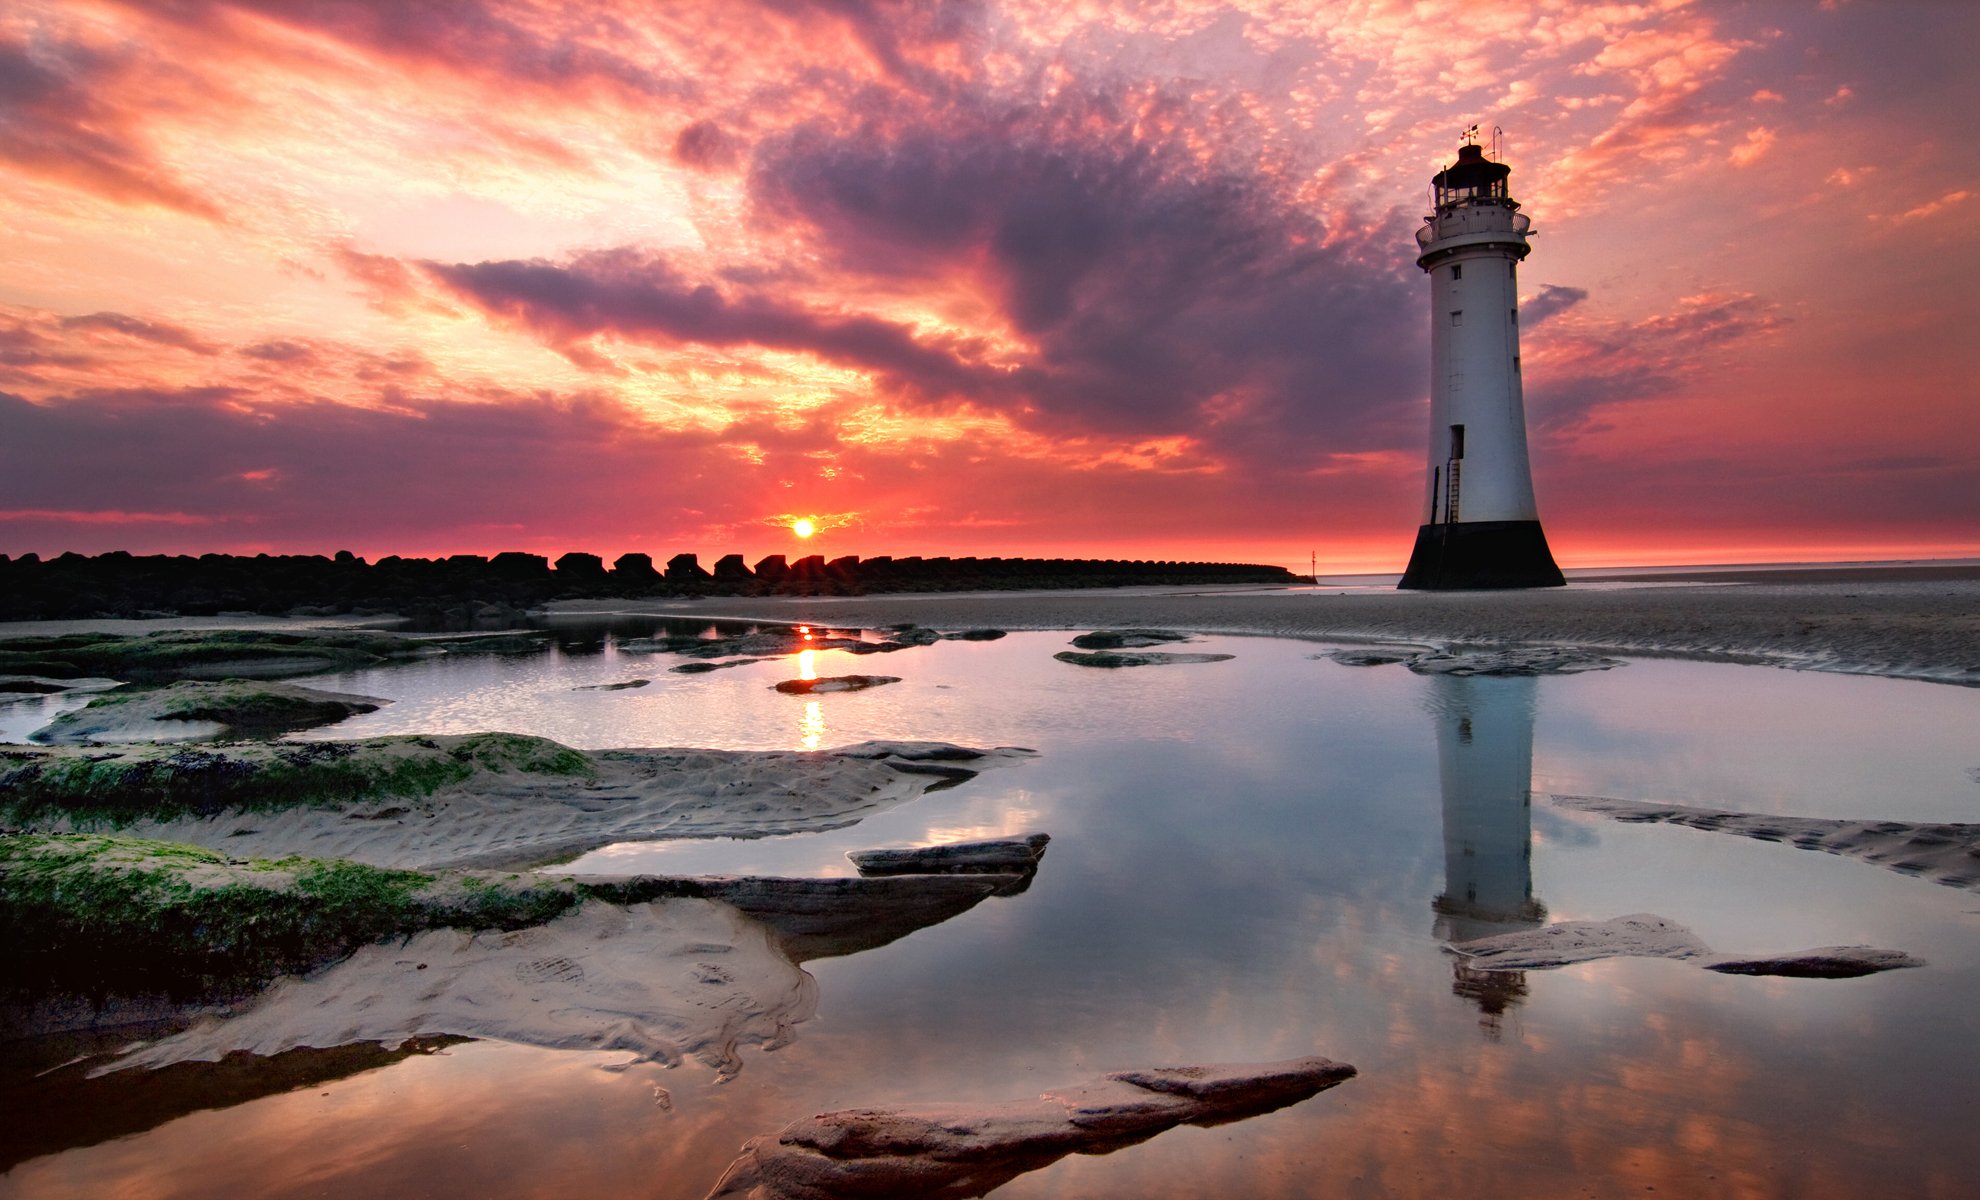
pixel 643 298
pixel 1164 297
pixel 1552 301
pixel 58 120
pixel 162 333
pixel 471 37
pixel 1164 294
pixel 422 471
pixel 706 146
pixel 279 350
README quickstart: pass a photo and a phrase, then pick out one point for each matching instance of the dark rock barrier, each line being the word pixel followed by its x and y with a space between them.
pixel 472 591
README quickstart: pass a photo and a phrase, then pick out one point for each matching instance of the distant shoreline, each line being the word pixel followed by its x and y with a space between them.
pixel 1897 621
pixel 1901 620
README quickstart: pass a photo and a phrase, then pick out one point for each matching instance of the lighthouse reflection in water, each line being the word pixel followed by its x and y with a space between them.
pixel 1485 767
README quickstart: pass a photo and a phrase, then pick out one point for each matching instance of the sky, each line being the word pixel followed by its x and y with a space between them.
pixel 1048 278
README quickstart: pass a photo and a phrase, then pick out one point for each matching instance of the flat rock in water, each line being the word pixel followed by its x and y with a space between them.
pixel 501 643
pixel 193 711
pixel 1135 658
pixel 1532 660
pixel 967 858
pixel 969 1150
pixel 1646 935
pixel 1643 935
pixel 1945 852
pixel 702 668
pixel 834 683
pixel 33 687
pixel 1127 639
pixel 973 635
pixel 1370 656
pixel 613 687
pixel 1827 962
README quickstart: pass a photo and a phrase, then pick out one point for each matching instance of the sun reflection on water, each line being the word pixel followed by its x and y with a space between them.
pixel 807 664
pixel 811 729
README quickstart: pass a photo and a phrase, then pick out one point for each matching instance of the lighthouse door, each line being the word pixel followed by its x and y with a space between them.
pixel 1453 467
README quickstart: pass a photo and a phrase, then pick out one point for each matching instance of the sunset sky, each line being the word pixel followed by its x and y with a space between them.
pixel 1030 278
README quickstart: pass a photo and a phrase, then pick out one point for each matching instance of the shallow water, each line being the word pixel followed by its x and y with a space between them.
pixel 1251 860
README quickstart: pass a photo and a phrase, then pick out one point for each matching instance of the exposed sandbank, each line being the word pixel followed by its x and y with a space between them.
pixel 1887 622
pixel 473 800
pixel 660 966
pixel 1945 852
pixel 1647 935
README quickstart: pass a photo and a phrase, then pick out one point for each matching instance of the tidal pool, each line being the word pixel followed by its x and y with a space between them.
pixel 1251 860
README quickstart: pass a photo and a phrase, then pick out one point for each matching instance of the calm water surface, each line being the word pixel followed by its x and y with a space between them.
pixel 1253 859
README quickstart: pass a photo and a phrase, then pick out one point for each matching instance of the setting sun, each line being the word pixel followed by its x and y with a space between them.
pixel 803 527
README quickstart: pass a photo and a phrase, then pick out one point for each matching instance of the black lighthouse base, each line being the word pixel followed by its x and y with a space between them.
pixel 1472 555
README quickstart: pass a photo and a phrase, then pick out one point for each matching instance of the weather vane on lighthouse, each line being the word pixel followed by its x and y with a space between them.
pixel 1481 527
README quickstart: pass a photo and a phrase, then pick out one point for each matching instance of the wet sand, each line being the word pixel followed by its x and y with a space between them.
pixel 1907 622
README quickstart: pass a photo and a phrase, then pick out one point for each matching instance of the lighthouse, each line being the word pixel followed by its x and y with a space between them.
pixel 1481 528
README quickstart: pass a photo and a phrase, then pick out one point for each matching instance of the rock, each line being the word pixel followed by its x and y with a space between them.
pixel 959 1151
pixel 1143 658
pixel 1124 639
pixel 193 711
pixel 702 668
pixel 621 686
pixel 1643 935
pixel 973 635
pixel 1530 660
pixel 27 687
pixel 1001 856
pixel 1828 962
pixel 1646 935
pixel 834 683
pixel 1369 656
pixel 506 643
pixel 201 653
pixel 1945 852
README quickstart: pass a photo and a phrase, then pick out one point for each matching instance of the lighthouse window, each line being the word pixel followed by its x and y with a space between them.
pixel 1515 364
pixel 1515 316
pixel 1457 272
pixel 1457 441
pixel 1457 316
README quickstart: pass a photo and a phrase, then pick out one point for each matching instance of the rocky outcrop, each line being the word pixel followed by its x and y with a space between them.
pixel 665 967
pixel 969 1150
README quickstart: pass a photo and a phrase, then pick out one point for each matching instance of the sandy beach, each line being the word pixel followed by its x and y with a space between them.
pixel 1907 622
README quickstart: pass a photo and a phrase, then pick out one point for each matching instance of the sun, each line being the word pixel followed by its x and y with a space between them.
pixel 804 527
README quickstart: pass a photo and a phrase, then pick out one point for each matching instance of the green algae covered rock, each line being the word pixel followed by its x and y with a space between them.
pixel 201 653
pixel 118 914
pixel 106 787
pixel 197 710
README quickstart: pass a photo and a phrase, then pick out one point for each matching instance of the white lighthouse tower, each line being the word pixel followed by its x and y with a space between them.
pixel 1481 528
